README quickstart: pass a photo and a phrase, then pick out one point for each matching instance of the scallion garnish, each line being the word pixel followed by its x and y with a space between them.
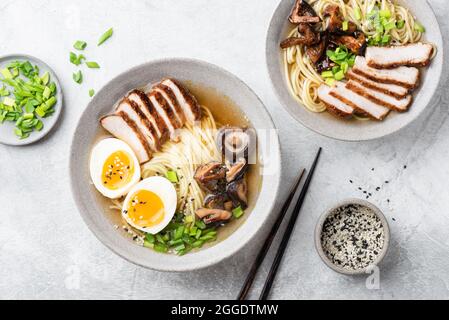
pixel 105 36
pixel 172 176
pixel 78 77
pixel 80 45
pixel 237 213
pixel 91 93
pixel 92 65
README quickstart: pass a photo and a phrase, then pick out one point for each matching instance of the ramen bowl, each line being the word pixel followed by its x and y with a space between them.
pixel 330 126
pixel 105 223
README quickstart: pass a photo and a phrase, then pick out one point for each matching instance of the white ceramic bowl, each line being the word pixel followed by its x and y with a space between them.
pixel 90 203
pixel 330 126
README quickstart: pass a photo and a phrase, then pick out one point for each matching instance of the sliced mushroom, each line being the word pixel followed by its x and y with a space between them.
pixel 307 36
pixel 336 20
pixel 357 44
pixel 237 170
pixel 317 51
pixel 213 215
pixel 302 12
pixel 235 143
pixel 216 201
pixel 238 192
pixel 211 177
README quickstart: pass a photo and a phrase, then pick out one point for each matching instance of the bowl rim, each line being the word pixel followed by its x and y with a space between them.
pixel 55 119
pixel 319 228
pixel 272 71
pixel 225 254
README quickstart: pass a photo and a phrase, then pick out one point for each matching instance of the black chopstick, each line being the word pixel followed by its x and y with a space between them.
pixel 291 224
pixel 268 241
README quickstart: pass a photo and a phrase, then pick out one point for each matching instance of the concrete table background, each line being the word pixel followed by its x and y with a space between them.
pixel 46 251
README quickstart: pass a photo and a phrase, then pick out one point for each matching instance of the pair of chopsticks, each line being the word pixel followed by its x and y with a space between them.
pixel 268 241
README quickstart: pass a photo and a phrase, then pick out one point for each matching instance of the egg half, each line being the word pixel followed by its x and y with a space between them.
pixel 114 168
pixel 150 205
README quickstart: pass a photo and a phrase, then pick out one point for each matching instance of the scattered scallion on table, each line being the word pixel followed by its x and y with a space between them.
pixel 92 65
pixel 105 36
pixel 78 77
pixel 27 97
pixel 80 45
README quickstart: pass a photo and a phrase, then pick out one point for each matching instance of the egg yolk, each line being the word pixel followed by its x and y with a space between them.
pixel 145 209
pixel 118 170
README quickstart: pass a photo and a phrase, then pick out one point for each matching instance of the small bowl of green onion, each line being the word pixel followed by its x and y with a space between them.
pixel 30 99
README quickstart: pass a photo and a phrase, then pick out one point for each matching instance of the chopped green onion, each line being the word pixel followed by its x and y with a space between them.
pixel 4 92
pixel 7 74
pixel 78 77
pixel 340 75
pixel 330 82
pixel 172 176
pixel 91 93
pixel 45 78
pixel 80 45
pixel 345 25
pixel 238 212
pixel 200 224
pixel 76 59
pixel 327 74
pixel 105 36
pixel 386 39
pixel 47 92
pixel 189 219
pixel 385 14
pixel 148 244
pixel 160 248
pixel 400 24
pixel 150 238
pixel 39 125
pixel 358 13
pixel 92 65
pixel 9 102
pixel 419 27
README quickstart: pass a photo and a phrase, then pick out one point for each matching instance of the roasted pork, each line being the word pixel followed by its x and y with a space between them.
pixel 334 105
pixel 412 55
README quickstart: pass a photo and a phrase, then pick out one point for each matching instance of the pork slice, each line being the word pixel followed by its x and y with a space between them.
pixel 390 89
pixel 380 98
pixel 412 55
pixel 407 77
pixel 170 97
pixel 186 100
pixel 166 113
pixel 150 112
pixel 359 103
pixel 123 128
pixel 334 105
pixel 132 110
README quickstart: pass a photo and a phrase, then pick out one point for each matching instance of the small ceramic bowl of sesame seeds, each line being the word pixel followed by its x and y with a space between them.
pixel 352 237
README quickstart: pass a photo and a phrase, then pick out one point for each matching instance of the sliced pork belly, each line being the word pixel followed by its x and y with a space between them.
pixel 390 89
pixel 132 110
pixel 186 100
pixel 170 97
pixel 123 128
pixel 358 102
pixel 334 105
pixel 166 113
pixel 412 55
pixel 407 77
pixel 380 98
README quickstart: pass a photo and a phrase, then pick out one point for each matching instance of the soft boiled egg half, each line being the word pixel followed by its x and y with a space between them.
pixel 114 168
pixel 150 205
